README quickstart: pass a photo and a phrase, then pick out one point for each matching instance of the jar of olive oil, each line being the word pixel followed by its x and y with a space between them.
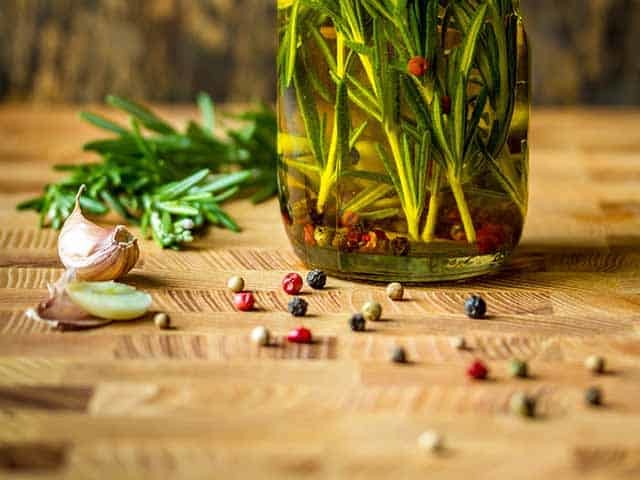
pixel 403 135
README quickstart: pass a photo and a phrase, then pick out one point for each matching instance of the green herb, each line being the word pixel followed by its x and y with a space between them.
pixel 168 182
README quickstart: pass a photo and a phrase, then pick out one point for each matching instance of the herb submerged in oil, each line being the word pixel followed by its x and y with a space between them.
pixel 400 118
pixel 170 183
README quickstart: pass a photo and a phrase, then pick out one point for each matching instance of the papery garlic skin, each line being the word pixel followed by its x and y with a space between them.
pixel 93 252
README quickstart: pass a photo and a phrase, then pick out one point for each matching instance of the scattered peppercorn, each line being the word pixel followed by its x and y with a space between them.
pixel 298 307
pixel 458 342
pixel 477 370
pixel 357 322
pixel 399 355
pixel 445 103
pixel 518 368
pixel 162 321
pixel 372 311
pixel 244 301
pixel 475 307
pixel 299 335
pixel 418 66
pixel 235 284
pixel 595 363
pixel 431 441
pixel 523 405
pixel 395 291
pixel 593 396
pixel 292 283
pixel 260 336
pixel 316 279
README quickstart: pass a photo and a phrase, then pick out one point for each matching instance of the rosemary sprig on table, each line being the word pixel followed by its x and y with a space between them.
pixel 170 183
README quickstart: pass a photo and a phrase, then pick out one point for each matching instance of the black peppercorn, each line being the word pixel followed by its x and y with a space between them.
pixel 317 279
pixel 475 307
pixel 593 396
pixel 357 322
pixel 398 355
pixel 400 246
pixel 298 307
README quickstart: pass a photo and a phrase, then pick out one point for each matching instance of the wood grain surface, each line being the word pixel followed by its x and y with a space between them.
pixel 200 401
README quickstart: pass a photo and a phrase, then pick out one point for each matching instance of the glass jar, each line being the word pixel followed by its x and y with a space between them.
pixel 403 135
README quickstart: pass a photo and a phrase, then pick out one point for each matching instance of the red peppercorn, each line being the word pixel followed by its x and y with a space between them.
pixel 292 283
pixel 418 66
pixel 244 301
pixel 309 238
pixel 299 335
pixel 445 103
pixel 478 370
pixel 490 238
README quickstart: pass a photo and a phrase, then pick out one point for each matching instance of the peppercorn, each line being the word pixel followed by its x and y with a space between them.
pixel 457 233
pixel 235 284
pixel 431 441
pixel 244 301
pixel 395 291
pixel 162 321
pixel 292 283
pixel 260 336
pixel 372 311
pixel 595 363
pixel 299 335
pixel 399 355
pixel 475 307
pixel 357 322
pixel 309 232
pixel 298 307
pixel 593 396
pixel 354 156
pixel 322 236
pixel 418 66
pixel 400 246
pixel 349 219
pixel 458 342
pixel 523 405
pixel 518 368
pixel 477 370
pixel 316 279
pixel 445 103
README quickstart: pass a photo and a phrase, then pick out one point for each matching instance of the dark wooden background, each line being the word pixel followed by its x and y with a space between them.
pixel 585 51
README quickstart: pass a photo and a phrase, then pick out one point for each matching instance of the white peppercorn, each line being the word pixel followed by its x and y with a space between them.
pixel 395 291
pixel 235 284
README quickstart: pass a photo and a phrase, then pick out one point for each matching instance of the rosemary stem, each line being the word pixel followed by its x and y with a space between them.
pixel 463 208
pixel 434 205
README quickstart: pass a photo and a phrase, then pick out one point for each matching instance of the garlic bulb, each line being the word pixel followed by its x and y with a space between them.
pixel 96 253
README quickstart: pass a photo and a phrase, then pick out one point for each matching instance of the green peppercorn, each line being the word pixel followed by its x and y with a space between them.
pixel 399 355
pixel 518 368
pixel 593 396
pixel 323 236
pixel 523 405
pixel 395 291
pixel 372 311
pixel 595 363
pixel 162 321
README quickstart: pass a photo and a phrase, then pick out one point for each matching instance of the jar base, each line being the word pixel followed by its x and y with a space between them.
pixel 437 267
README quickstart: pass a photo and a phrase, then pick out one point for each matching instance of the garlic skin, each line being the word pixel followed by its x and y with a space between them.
pixel 95 253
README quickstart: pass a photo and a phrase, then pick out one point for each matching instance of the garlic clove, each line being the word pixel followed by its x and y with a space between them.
pixel 111 300
pixel 93 252
pixel 59 311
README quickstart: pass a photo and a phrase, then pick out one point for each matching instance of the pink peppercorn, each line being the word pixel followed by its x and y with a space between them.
pixel 244 301
pixel 292 283
pixel 299 335
pixel 478 370
pixel 418 66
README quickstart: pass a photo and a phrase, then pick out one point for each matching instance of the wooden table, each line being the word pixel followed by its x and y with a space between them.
pixel 130 401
